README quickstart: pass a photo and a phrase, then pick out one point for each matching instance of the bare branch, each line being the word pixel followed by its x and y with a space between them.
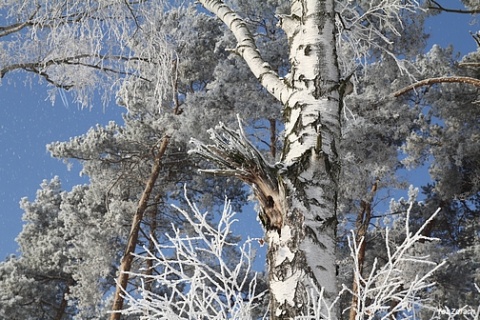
pixel 476 37
pixel 37 67
pixel 437 6
pixel 5 31
pixel 432 81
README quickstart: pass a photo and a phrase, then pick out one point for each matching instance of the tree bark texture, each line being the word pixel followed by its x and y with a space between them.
pixel 299 201
pixel 127 259
pixel 302 257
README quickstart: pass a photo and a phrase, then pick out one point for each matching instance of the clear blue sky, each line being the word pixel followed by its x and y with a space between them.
pixel 28 122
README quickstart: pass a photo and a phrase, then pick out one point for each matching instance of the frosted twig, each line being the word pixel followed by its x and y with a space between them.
pixel 197 281
pixel 386 284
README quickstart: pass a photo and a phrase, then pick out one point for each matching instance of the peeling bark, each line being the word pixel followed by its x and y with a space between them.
pixel 312 130
pixel 298 196
pixel 247 49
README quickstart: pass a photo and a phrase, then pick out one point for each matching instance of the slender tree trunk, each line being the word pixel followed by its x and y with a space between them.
pixel 273 137
pixel 361 226
pixel 151 243
pixel 127 259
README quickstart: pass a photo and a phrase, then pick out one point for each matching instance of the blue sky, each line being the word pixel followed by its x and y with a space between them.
pixel 28 122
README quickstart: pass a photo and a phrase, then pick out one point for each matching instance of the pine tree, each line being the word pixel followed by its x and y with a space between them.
pixel 36 284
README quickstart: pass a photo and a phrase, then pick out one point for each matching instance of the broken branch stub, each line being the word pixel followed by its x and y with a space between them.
pixel 234 155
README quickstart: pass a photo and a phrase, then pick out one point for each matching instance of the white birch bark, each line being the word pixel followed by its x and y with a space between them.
pixel 301 211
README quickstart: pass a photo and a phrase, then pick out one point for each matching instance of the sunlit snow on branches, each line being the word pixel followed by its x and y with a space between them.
pixel 193 288
pixel 197 281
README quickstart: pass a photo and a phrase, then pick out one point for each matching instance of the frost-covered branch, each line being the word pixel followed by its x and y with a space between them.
pixel 84 46
pixel 94 62
pixel 385 292
pixel 232 152
pixel 248 50
pixel 366 27
pixel 197 280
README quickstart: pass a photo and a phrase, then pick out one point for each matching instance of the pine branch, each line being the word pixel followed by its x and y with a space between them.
pixel 37 67
pixel 437 6
pixel 432 81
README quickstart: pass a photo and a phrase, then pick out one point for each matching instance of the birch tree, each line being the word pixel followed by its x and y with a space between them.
pixel 299 194
pixel 77 46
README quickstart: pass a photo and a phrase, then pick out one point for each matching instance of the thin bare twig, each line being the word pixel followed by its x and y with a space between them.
pixel 40 66
pixel 439 7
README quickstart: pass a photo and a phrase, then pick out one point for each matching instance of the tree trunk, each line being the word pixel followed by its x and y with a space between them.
pixel 298 197
pixel 151 243
pixel 64 303
pixel 127 259
pixel 361 228
pixel 301 258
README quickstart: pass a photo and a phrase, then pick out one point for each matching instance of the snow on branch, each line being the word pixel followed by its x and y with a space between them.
pixel 248 50
pixel 384 291
pixel 372 25
pixel 198 279
pixel 235 155
pixel 434 5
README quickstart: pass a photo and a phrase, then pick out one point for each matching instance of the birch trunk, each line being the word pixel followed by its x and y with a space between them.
pixel 298 197
pixel 304 255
